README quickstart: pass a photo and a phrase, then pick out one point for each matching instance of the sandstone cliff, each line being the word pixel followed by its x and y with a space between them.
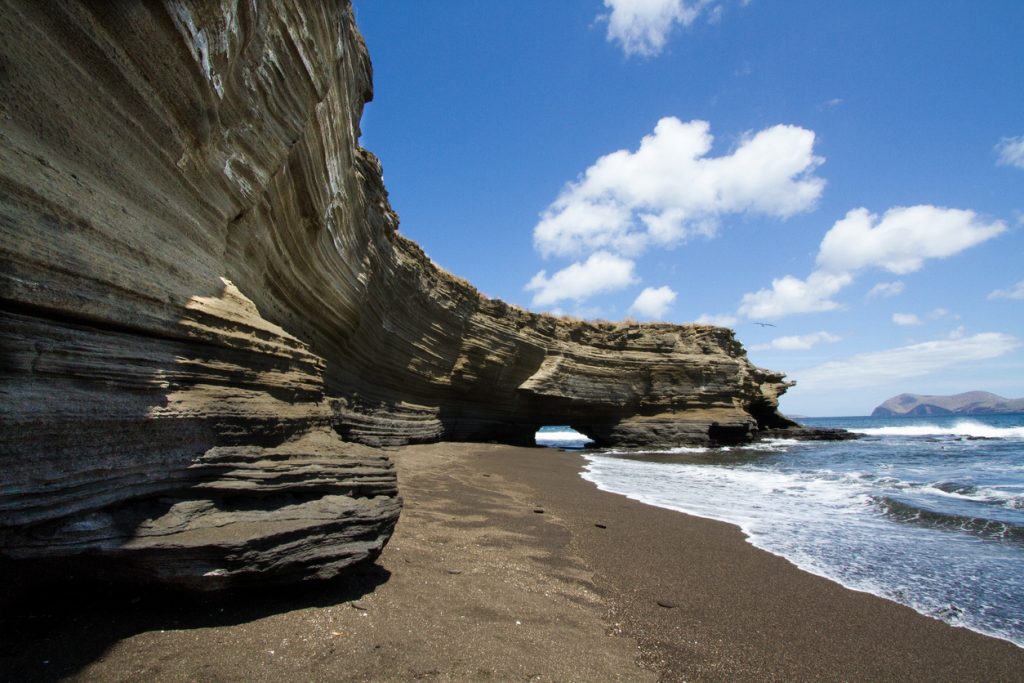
pixel 210 323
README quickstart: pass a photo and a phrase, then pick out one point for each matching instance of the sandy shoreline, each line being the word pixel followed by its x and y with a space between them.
pixel 498 570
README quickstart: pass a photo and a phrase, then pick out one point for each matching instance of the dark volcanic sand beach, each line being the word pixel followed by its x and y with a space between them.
pixel 498 571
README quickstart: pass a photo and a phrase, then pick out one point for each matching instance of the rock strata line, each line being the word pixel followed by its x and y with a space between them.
pixel 211 324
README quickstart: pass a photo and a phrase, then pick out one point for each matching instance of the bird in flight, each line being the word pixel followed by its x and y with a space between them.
pixel 765 324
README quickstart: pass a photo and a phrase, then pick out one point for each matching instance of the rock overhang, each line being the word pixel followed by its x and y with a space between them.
pixel 211 322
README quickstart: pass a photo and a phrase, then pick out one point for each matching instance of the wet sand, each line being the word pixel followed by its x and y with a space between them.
pixel 506 565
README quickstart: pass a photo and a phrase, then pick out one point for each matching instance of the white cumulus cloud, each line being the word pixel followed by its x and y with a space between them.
pixel 789 295
pixel 900 241
pixel 642 27
pixel 1011 152
pixel 1014 292
pixel 906 319
pixel 885 290
pixel 722 320
pixel 800 342
pixel 601 272
pixel 882 368
pixel 669 189
pixel 653 302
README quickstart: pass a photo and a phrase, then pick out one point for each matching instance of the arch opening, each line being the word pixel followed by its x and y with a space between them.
pixel 561 436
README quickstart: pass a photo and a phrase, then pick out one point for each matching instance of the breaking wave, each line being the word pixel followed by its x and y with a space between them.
pixel 926 512
pixel 903 510
pixel 963 428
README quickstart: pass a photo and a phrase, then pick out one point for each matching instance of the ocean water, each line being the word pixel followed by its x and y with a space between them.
pixel 561 437
pixel 928 512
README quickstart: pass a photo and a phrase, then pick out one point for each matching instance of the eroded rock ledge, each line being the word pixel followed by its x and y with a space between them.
pixel 210 323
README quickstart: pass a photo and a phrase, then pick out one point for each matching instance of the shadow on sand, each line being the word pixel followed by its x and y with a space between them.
pixel 51 631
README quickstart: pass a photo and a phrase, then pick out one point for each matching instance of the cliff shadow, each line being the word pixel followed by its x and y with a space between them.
pixel 51 631
pixel 53 626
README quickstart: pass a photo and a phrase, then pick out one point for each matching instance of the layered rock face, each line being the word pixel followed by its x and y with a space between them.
pixel 181 190
pixel 210 323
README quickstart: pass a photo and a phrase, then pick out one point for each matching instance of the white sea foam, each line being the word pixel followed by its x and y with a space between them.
pixel 766 446
pixel 961 428
pixel 824 517
pixel 567 438
pixel 699 490
pixel 661 451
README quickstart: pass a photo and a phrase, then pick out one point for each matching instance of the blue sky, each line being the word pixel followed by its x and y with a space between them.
pixel 851 173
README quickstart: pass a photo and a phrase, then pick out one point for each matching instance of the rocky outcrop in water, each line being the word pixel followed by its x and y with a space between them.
pixel 210 324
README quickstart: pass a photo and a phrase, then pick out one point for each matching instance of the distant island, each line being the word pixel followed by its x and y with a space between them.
pixel 968 403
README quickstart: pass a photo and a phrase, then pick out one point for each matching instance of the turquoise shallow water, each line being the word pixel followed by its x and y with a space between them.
pixel 928 512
